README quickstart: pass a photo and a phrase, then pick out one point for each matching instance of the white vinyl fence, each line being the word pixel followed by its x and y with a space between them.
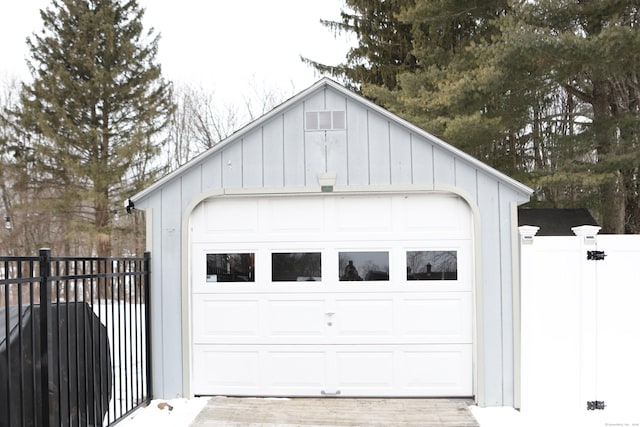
pixel 580 319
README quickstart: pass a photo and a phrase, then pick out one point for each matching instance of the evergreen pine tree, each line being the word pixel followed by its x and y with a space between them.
pixel 589 51
pixel 95 108
pixel 384 44
pixel 546 91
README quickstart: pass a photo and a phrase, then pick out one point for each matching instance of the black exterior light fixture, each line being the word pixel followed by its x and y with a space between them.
pixel 129 206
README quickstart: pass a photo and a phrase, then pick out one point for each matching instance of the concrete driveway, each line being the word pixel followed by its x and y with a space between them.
pixel 327 412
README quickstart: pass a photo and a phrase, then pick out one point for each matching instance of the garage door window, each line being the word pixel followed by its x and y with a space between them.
pixel 432 265
pixel 231 267
pixel 369 266
pixel 296 267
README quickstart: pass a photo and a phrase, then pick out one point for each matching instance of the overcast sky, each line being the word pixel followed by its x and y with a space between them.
pixel 219 44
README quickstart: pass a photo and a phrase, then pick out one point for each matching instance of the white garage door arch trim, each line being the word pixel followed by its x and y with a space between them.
pixel 186 279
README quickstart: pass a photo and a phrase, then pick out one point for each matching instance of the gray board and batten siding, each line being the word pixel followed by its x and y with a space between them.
pixel 370 150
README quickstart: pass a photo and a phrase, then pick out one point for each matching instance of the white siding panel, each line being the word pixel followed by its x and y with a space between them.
pixel 232 166
pixel 294 154
pixel 506 241
pixel 273 163
pixel 315 162
pixel 400 140
pixel 191 186
pixel 379 150
pixel 358 149
pixel 315 102
pixel 157 301
pixel 335 101
pixel 337 155
pixel 444 167
pixel 212 172
pixel 488 201
pixel 171 292
pixel 252 160
pixel 422 161
pixel 466 178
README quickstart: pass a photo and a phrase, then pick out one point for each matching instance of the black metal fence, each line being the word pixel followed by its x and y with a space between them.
pixel 92 366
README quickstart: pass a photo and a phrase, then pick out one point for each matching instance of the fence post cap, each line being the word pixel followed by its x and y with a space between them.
pixel 586 230
pixel 528 230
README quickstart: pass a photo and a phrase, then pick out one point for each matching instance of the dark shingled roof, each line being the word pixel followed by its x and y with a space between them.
pixel 555 222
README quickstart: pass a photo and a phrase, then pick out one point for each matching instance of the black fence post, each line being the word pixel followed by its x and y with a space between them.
pixel 45 309
pixel 147 321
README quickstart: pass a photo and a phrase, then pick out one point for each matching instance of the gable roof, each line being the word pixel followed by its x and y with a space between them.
pixel 323 83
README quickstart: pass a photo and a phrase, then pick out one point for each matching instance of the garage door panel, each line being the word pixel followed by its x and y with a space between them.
pixel 364 372
pixel 290 216
pixel 240 216
pixel 296 318
pixel 294 371
pixel 221 319
pixel 226 370
pixel 363 317
pixel 358 214
pixel 437 318
pixel 405 333
pixel 437 370
pixel 424 215
pixel 403 370
pixel 350 370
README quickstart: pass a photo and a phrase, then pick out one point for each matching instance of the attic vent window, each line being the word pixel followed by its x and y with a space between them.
pixel 325 120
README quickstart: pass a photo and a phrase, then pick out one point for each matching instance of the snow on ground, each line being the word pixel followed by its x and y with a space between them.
pixel 509 417
pixel 166 413
pixel 181 412
pixel 497 417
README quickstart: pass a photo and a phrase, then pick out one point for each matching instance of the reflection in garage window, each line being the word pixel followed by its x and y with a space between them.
pixel 231 267
pixel 432 265
pixel 356 266
pixel 296 267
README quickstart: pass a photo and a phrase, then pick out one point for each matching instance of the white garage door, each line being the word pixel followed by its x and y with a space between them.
pixel 332 295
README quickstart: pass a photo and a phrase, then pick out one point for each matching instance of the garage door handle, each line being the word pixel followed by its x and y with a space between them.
pixel 329 317
pixel 324 393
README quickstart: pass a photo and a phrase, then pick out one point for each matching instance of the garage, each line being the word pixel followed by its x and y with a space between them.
pixel 332 295
pixel 331 248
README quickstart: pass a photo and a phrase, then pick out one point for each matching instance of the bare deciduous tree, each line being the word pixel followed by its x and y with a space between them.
pixel 201 119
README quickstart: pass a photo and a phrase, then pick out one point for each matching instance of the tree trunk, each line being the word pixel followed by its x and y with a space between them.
pixel 631 205
pixel 611 191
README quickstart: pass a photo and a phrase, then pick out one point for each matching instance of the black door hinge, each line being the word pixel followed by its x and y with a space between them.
pixel 595 255
pixel 595 404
